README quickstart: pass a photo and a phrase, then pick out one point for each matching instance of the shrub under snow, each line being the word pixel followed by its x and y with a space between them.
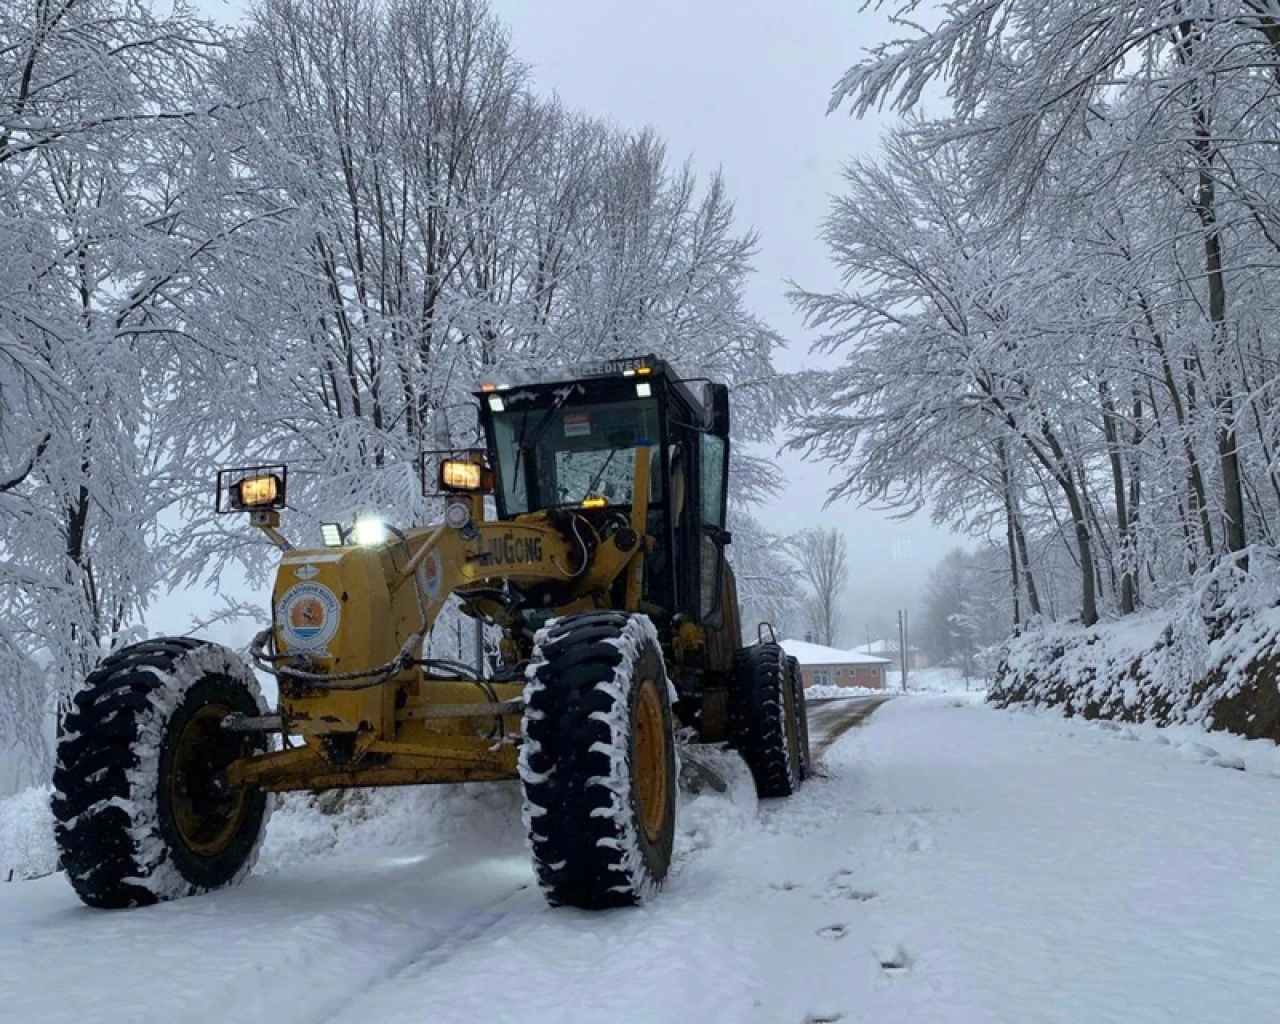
pixel 27 849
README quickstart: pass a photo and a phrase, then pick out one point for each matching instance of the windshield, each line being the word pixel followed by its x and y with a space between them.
pixel 548 459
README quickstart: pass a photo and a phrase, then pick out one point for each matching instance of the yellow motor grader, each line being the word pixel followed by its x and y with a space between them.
pixel 604 569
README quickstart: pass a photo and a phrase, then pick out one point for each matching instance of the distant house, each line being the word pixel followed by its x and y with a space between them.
pixel 829 666
pixel 889 649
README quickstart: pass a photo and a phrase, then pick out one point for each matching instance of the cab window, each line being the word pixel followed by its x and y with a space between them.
pixel 713 470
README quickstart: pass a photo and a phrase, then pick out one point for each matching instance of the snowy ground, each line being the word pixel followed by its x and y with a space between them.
pixel 920 680
pixel 956 864
pixel 936 680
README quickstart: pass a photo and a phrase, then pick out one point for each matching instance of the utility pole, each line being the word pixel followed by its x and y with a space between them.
pixel 902 646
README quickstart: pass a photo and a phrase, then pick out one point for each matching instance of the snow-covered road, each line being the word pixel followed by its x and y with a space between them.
pixel 956 864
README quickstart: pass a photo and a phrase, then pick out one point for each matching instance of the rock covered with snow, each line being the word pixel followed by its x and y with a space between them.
pixel 1210 658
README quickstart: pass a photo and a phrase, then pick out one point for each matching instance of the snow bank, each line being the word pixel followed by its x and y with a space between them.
pixel 337 822
pixel 306 826
pixel 1209 659
pixel 823 692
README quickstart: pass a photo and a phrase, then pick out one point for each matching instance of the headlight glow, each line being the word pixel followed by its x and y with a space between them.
pixel 370 532
pixel 257 491
pixel 460 475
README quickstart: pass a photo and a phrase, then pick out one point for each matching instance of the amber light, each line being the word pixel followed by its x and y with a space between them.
pixel 256 491
pixel 595 502
pixel 456 475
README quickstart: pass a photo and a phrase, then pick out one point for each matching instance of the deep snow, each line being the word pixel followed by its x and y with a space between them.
pixel 956 864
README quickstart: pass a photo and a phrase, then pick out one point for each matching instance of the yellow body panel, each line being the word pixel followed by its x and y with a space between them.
pixel 351 611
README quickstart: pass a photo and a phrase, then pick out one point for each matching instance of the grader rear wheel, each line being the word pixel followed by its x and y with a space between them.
pixel 802 717
pixel 598 761
pixel 764 720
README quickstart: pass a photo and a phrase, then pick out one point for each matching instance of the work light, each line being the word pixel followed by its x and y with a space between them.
pixel 370 532
pixel 253 489
pixel 464 475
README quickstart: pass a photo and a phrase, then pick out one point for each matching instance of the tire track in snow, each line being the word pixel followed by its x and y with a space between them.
pixel 436 949
pixel 832 717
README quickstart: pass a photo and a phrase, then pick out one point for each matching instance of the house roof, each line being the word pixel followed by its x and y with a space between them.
pixel 817 654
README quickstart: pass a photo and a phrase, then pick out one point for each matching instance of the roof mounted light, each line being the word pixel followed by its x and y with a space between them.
pixel 252 489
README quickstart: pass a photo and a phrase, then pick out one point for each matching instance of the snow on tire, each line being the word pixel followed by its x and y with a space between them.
pixel 762 719
pixel 598 760
pixel 796 681
pixel 140 812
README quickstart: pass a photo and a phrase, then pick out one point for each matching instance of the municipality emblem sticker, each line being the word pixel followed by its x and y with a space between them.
pixel 433 575
pixel 308 615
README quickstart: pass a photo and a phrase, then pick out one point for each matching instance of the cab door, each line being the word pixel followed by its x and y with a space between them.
pixel 713 509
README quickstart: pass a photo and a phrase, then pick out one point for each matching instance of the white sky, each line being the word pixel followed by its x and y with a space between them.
pixel 742 85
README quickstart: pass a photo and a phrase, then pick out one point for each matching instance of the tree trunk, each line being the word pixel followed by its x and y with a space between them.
pixel 1206 212
pixel 1111 433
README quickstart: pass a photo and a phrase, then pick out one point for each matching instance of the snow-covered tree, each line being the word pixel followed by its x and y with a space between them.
pixel 1056 316
pixel 304 241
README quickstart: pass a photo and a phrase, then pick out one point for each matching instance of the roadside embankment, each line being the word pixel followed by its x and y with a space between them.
pixel 1210 657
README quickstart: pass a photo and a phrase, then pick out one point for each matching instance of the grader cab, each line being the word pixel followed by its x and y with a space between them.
pixel 589 536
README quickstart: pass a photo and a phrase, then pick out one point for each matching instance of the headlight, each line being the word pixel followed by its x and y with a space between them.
pixel 465 475
pixel 252 488
pixel 460 476
pixel 370 532
pixel 257 492
pixel 331 534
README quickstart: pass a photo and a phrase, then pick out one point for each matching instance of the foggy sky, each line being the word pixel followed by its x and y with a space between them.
pixel 742 85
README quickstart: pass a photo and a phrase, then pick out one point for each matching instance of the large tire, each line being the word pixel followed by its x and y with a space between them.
pixel 598 761
pixel 763 721
pixel 802 717
pixel 140 813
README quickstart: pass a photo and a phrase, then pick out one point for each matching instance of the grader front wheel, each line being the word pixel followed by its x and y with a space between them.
pixel 142 812
pixel 598 761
